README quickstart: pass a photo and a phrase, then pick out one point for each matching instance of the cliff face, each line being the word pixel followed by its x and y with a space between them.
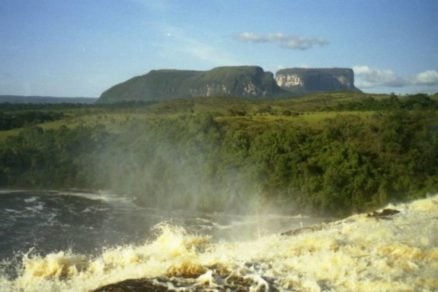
pixel 241 81
pixel 304 80
pixel 247 81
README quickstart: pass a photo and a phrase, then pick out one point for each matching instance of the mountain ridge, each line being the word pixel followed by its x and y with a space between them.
pixel 229 81
pixel 165 84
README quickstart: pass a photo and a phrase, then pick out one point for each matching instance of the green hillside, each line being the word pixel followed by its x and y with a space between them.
pixel 156 85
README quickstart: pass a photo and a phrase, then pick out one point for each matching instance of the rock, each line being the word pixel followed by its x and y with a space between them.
pixel 140 285
pixel 248 281
pixel 307 80
pixel 240 81
pixel 384 214
pixel 232 81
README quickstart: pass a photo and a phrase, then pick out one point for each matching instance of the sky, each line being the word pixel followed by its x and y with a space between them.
pixel 78 48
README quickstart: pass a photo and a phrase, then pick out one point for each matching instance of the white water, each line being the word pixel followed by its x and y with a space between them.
pixel 358 253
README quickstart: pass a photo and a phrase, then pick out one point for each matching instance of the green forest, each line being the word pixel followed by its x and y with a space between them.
pixel 326 153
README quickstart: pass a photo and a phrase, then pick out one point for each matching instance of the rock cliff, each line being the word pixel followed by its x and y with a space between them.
pixel 306 80
pixel 239 81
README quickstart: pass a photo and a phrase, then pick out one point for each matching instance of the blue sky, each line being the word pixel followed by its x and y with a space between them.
pixel 82 47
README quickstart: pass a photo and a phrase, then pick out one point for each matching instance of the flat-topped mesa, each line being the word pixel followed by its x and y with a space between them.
pixel 236 81
pixel 246 81
pixel 304 80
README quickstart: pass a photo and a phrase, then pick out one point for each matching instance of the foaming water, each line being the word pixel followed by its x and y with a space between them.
pixel 47 221
pixel 57 226
pixel 360 253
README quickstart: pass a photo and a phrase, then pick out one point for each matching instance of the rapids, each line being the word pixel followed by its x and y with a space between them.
pixel 359 253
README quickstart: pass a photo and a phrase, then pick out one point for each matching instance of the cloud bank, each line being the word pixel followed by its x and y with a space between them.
pixel 285 41
pixel 429 77
pixel 367 77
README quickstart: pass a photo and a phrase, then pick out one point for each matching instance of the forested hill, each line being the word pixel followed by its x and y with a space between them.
pixel 332 153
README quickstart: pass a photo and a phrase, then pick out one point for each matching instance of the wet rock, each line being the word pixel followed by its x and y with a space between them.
pixel 139 285
pixel 383 214
pixel 222 282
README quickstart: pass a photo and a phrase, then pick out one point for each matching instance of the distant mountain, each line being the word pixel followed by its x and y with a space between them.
pixel 45 99
pixel 307 80
pixel 238 81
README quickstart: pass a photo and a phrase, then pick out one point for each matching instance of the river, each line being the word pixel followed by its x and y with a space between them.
pixel 77 241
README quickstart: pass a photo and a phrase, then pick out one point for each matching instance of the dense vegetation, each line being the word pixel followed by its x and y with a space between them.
pixel 330 153
pixel 20 119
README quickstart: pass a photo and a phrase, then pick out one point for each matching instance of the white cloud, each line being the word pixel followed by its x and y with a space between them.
pixel 367 77
pixel 429 77
pixel 252 37
pixel 285 41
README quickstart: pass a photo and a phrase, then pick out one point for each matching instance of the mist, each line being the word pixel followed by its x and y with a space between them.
pixel 179 164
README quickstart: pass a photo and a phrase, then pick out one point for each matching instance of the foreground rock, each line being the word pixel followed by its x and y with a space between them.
pixel 205 282
pixel 139 285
